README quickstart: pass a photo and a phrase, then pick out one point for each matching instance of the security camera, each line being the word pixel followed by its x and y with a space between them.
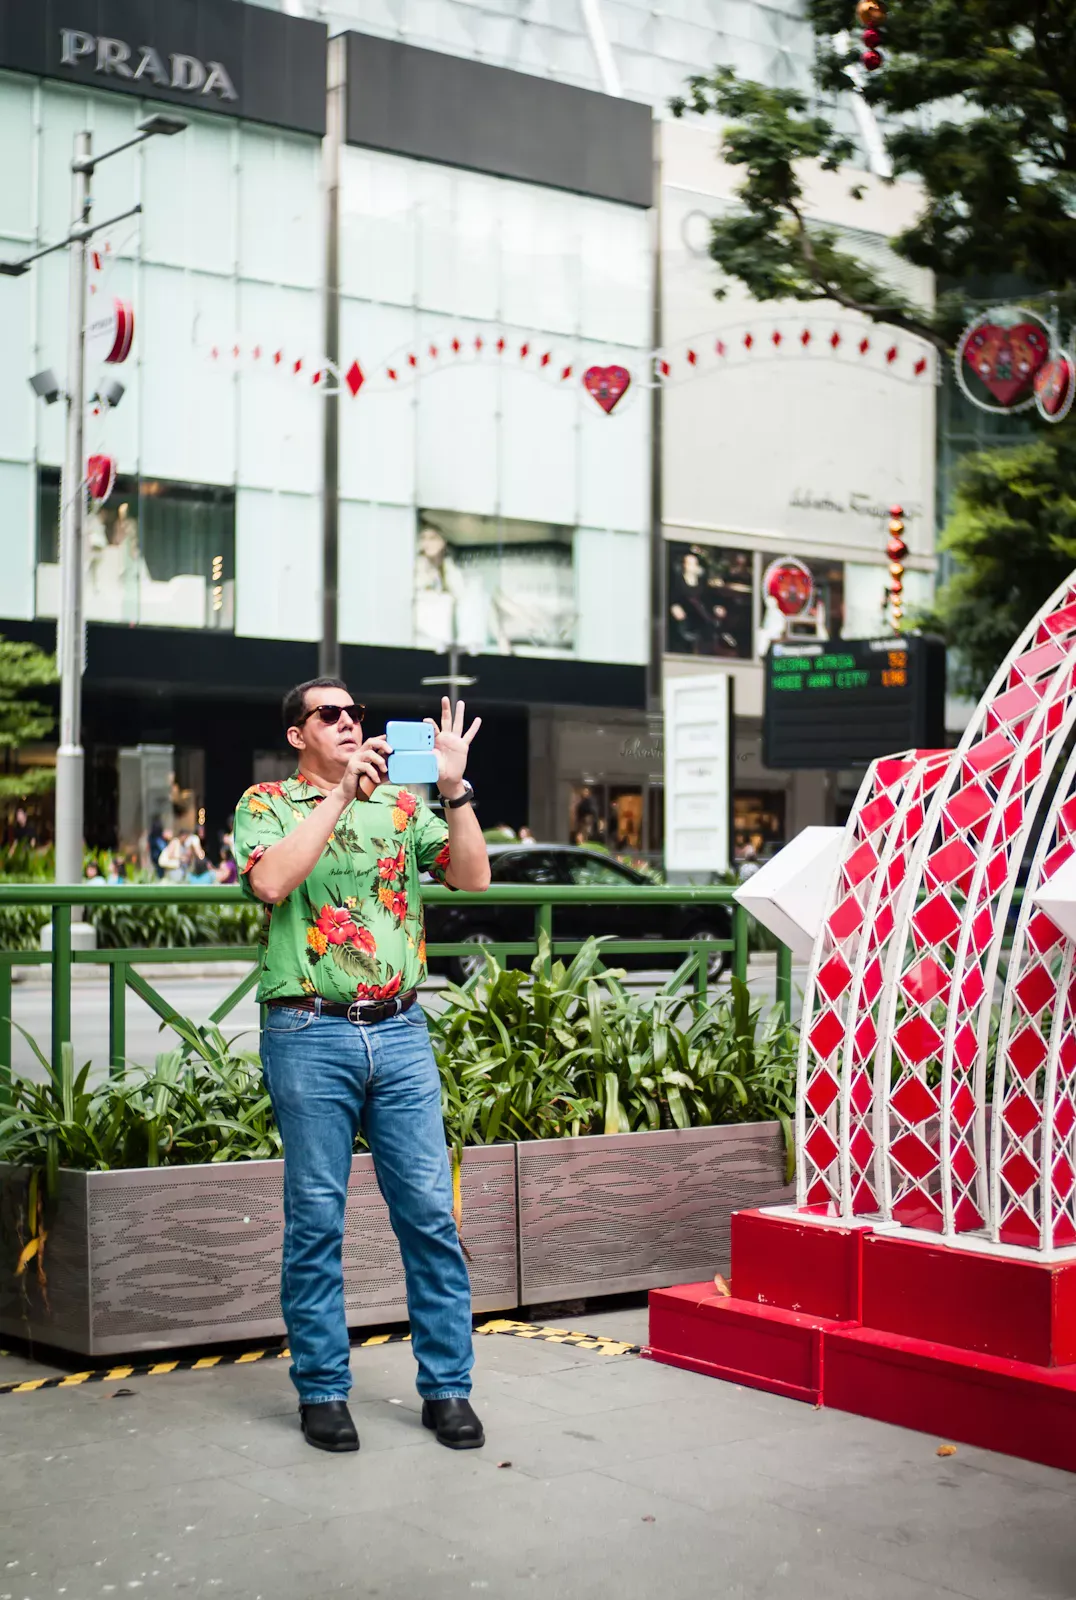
pixel 46 385
pixel 110 394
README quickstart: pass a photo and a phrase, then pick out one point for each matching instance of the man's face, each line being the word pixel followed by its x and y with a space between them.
pixel 327 744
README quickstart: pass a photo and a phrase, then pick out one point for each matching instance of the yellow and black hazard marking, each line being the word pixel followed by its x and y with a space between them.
pixel 579 1341
pixel 154 1369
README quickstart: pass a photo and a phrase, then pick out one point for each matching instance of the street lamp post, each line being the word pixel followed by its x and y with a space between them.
pixel 69 623
pixel 69 755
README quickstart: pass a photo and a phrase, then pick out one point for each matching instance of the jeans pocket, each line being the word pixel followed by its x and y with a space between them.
pixel 415 1017
pixel 286 1019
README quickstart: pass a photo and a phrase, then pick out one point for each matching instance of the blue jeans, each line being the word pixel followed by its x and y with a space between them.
pixel 327 1076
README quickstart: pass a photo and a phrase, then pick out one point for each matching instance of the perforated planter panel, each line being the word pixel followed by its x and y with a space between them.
pixel 639 1210
pixel 152 1259
pixel 373 1273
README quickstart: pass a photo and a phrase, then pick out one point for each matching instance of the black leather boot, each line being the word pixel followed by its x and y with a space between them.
pixel 329 1426
pixel 454 1423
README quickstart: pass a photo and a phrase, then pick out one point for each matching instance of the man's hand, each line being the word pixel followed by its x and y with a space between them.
pixel 366 769
pixel 453 747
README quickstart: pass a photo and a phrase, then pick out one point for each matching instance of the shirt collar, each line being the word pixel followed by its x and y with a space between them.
pixel 296 788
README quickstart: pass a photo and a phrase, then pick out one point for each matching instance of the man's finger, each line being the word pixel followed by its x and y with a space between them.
pixel 432 724
pixel 472 730
pixel 446 714
pixel 457 721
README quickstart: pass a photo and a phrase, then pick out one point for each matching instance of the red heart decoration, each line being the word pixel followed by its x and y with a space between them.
pixel 1053 385
pixel 100 476
pixel 1006 359
pixel 607 385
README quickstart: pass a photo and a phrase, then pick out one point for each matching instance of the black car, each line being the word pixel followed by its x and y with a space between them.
pixel 565 865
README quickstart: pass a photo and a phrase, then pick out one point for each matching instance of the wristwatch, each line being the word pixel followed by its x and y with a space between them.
pixel 464 799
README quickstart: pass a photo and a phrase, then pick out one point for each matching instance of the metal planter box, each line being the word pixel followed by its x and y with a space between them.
pixel 612 1214
pixel 158 1258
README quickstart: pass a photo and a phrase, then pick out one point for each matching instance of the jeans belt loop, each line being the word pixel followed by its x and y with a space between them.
pixel 317 1005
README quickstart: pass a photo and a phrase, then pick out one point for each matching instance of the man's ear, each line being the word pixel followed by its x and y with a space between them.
pixel 295 738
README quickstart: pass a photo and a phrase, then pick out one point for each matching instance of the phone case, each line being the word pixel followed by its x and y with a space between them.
pixel 409 736
pixel 412 766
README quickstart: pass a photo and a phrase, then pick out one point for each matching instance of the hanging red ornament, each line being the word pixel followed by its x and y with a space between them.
pixel 871 38
pixel 871 59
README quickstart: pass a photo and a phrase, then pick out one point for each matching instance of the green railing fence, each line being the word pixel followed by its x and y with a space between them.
pixel 543 899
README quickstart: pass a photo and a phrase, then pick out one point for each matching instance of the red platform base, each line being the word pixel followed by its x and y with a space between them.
pixel 968 1346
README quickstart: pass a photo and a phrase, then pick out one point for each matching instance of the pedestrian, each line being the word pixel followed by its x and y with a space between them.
pixel 226 872
pixel 526 836
pixel 117 872
pixel 156 840
pixel 337 854
pixel 170 862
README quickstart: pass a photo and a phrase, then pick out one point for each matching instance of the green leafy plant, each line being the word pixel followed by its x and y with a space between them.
pixel 573 1052
pixel 160 927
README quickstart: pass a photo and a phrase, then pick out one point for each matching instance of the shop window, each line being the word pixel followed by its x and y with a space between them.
pixel 758 822
pixel 822 619
pixel 709 601
pixel 494 584
pixel 158 554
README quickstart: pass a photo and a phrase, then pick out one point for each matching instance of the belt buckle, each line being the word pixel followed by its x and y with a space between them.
pixel 354 1012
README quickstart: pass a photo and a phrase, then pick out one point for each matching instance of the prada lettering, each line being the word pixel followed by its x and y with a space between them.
pixel 116 58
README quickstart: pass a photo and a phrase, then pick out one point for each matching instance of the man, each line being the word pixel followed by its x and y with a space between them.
pixel 336 855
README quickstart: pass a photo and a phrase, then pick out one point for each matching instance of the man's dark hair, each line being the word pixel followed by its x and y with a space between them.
pixel 294 702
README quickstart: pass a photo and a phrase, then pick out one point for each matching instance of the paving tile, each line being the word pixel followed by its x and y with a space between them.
pixel 137 1464
pixel 113 1531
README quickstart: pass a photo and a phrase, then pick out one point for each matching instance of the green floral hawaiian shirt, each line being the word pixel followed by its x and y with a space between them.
pixel 354 929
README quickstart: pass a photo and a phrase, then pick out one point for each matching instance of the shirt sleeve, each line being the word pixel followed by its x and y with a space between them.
pixel 257 826
pixel 431 843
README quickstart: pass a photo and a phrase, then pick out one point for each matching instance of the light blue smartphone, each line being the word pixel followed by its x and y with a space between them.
pixel 413 758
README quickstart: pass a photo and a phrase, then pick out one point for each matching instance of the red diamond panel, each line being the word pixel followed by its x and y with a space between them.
pixel 989 753
pixel 915 1157
pixel 877 814
pixel 969 805
pixel 965 1046
pixel 820 1147
pixel 1022 1115
pixel 964 1164
pixel 925 981
pixel 866 1039
pixel 918 1040
pixel 846 918
pixel 1043 933
pixel 1064 1178
pixel 862 1148
pixel 860 864
pixel 951 862
pixel 1064 1118
pixel 963 1106
pixel 1026 1052
pixel 913 1101
pixel 826 1034
pixel 822 1092
pixel 972 989
pixel 872 982
pixel 1019 1173
pixel 1035 989
pixel 834 977
pixel 1017 702
pixel 937 920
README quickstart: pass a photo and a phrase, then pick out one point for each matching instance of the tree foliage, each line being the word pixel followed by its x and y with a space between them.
pixel 978 102
pixel 23 667
pixel 1013 537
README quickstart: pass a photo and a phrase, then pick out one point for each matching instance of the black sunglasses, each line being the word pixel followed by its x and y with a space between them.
pixel 332 714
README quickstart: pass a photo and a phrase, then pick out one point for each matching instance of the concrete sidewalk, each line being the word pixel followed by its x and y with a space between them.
pixel 604 1478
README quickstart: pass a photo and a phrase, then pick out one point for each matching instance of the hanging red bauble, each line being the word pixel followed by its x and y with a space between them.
pixel 871 38
pixel 896 549
pixel 100 476
pixel 871 59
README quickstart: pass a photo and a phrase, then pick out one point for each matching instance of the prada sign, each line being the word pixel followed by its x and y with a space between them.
pixel 177 71
pixel 217 55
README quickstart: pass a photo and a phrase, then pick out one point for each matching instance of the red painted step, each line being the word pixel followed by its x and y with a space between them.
pixel 810 1267
pixel 1011 1406
pixel 763 1347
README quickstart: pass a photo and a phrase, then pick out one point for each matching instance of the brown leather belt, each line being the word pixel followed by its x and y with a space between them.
pixel 358 1012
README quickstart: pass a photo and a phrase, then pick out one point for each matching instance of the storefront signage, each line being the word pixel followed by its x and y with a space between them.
pixel 176 71
pixel 844 702
pixel 212 55
pixel 856 504
pixel 698 721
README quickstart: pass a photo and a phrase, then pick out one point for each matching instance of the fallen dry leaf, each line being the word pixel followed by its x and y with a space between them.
pixel 649 1519
pixel 504 1463
pixel 946 1450
pixel 721 1286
